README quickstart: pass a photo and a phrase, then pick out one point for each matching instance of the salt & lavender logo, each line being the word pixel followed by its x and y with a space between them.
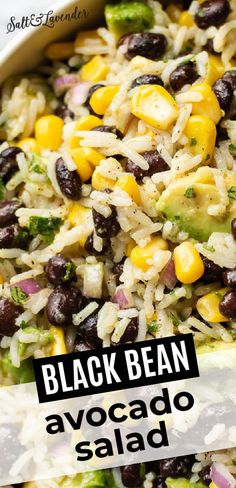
pixel 48 19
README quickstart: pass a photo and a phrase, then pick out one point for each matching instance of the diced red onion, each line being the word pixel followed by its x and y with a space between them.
pixel 168 276
pixel 29 286
pixel 64 82
pixel 77 94
pixel 123 298
pixel 221 476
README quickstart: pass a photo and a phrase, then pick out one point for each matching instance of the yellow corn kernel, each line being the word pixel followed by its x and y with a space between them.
pixel 95 70
pixel 129 248
pixel 186 19
pixel 59 345
pixel 48 131
pixel 86 122
pixel 201 133
pixel 102 98
pixel 29 144
pixel 93 157
pixel 173 11
pixel 128 184
pixel 84 168
pixel 215 69
pixel 30 484
pixel 78 214
pixel 212 485
pixel 85 39
pixel 208 306
pixel 140 256
pixel 189 266
pixel 60 50
pixel 100 183
pixel 209 105
pixel 1 279
pixel 154 105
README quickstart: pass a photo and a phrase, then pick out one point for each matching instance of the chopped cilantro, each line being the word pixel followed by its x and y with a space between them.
pixel 174 319
pixel 193 142
pixel 232 192
pixel 36 164
pixel 70 270
pixel 23 324
pixel 153 327
pixel 232 149
pixel 208 248
pixel 21 236
pixel 186 61
pixel 2 189
pixel 18 296
pixel 190 193
pixel 46 227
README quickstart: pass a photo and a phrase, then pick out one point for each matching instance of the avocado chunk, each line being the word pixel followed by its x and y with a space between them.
pixel 186 202
pixel 91 479
pixel 24 374
pixel 128 16
pixel 183 483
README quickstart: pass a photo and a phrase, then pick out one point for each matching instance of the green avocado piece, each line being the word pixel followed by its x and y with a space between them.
pixel 186 201
pixel 24 374
pixel 183 483
pixel 128 16
pixel 91 479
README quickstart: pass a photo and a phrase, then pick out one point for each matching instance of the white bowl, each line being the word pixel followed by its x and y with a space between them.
pixel 25 51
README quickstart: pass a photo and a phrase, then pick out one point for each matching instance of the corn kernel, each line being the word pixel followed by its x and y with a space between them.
pixel 189 266
pixel 208 306
pixel 29 144
pixel 102 98
pixel 154 105
pixel 215 69
pixel 212 485
pixel 1 279
pixel 60 50
pixel 129 248
pixel 86 122
pixel 84 169
pixel 94 157
pixel 140 256
pixel 173 11
pixel 85 39
pixel 128 184
pixel 201 132
pixel 209 105
pixel 94 70
pixel 30 484
pixel 48 131
pixel 100 183
pixel 186 19
pixel 59 345
pixel 78 214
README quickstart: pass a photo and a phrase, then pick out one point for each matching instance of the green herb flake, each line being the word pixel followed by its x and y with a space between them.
pixel 153 327
pixel 46 227
pixel 174 319
pixel 21 236
pixel 193 142
pixel 232 149
pixel 190 193
pixel 208 248
pixel 36 164
pixel 2 189
pixel 232 192
pixel 18 296
pixel 70 270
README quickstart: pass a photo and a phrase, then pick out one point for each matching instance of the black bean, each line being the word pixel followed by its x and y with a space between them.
pixel 212 12
pixel 212 272
pixel 205 474
pixel 8 163
pixel 90 248
pixel 132 475
pixel 228 305
pixel 60 270
pixel 7 212
pixel 147 44
pixel 184 74
pixel 62 304
pixel 106 226
pixel 229 277
pixel 9 312
pixel 159 482
pixel 13 236
pixel 88 330
pixel 224 93
pixel 147 80
pixel 109 129
pixel 63 112
pixel 176 466
pixel 230 76
pixel 81 345
pixel 118 270
pixel 233 228
pixel 156 165
pixel 69 181
pixel 131 331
